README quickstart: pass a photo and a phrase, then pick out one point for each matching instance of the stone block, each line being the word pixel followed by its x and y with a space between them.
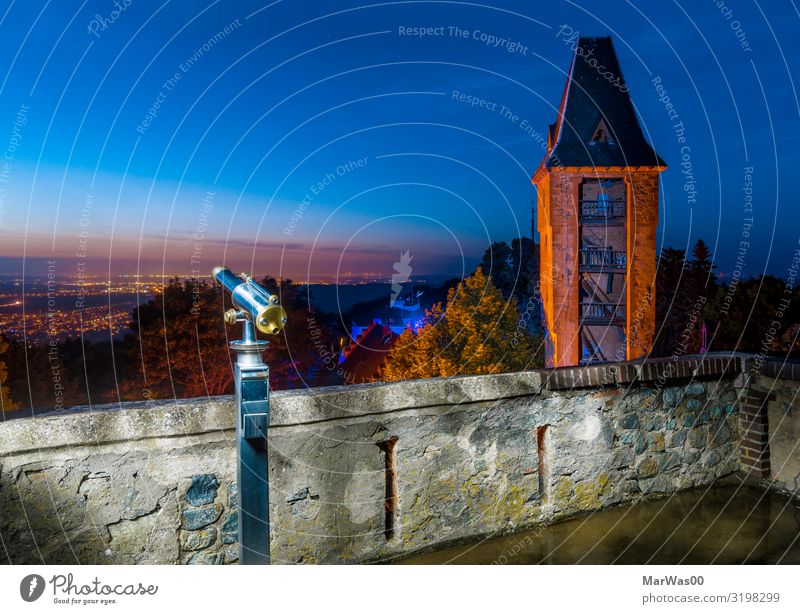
pixel 659 484
pixel 695 389
pixel 231 553
pixel 194 519
pixel 697 438
pixel 197 540
pixel 647 468
pixel 230 528
pixel 713 459
pixel 656 442
pixel 671 397
pixel 631 421
pixel 721 434
pixel 205 558
pixel 676 439
pixel 669 461
pixel 203 490
pixel 641 443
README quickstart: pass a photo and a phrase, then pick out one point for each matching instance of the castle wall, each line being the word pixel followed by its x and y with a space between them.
pixel 473 456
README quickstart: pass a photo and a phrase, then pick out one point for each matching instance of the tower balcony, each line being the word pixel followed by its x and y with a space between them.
pixel 603 210
pixel 602 314
pixel 601 260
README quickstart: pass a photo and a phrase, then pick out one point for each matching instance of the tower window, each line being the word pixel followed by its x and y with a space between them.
pixel 600 134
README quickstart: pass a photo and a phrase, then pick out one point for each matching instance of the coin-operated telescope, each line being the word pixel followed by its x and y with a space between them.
pixel 251 301
pixel 255 308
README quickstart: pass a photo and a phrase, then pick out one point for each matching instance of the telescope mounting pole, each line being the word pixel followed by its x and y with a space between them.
pixel 252 470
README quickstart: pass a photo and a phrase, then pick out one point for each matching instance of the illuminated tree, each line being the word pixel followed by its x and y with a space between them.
pixel 6 404
pixel 478 332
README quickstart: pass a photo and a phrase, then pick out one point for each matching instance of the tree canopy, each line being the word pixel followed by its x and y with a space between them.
pixel 477 332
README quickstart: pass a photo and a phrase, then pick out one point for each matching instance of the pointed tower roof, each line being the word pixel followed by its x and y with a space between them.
pixel 596 99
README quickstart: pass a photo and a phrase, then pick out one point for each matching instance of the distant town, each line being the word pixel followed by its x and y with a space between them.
pixel 38 310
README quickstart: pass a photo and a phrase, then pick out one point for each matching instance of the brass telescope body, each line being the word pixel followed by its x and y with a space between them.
pixel 251 301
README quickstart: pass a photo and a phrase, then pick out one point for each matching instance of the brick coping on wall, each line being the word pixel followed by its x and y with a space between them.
pixel 138 420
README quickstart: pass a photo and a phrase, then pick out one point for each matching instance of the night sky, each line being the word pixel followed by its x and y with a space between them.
pixel 316 138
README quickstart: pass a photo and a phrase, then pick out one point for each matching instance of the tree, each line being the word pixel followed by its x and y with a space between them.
pixel 178 345
pixel 6 404
pixel 672 300
pixel 742 316
pixel 514 269
pixel 700 272
pixel 478 332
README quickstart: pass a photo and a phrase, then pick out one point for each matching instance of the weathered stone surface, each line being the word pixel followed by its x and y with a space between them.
pixel 695 388
pixel 672 396
pixel 641 443
pixel 647 468
pixel 631 421
pixel 661 483
pixel 697 438
pixel 206 558
pixel 656 442
pixel 669 461
pixel 676 439
pixel 203 490
pixel 720 434
pixel 230 528
pixel 198 518
pixel 231 553
pixel 466 463
pixel 712 459
pixel 197 540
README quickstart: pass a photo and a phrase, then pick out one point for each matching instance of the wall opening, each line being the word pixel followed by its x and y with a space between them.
pixel 542 448
pixel 390 497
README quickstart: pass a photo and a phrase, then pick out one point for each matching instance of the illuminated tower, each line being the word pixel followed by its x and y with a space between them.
pixel 597 192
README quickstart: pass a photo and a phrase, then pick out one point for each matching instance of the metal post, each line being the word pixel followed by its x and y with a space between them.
pixel 255 308
pixel 252 403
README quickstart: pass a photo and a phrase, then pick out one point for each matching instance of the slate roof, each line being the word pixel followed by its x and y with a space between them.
pixel 594 92
pixel 364 356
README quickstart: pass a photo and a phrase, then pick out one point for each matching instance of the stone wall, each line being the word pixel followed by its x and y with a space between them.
pixel 454 458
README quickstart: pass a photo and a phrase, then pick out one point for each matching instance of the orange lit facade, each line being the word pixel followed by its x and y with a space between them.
pixel 597 190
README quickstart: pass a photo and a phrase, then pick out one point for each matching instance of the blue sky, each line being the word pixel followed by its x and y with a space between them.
pixel 327 138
